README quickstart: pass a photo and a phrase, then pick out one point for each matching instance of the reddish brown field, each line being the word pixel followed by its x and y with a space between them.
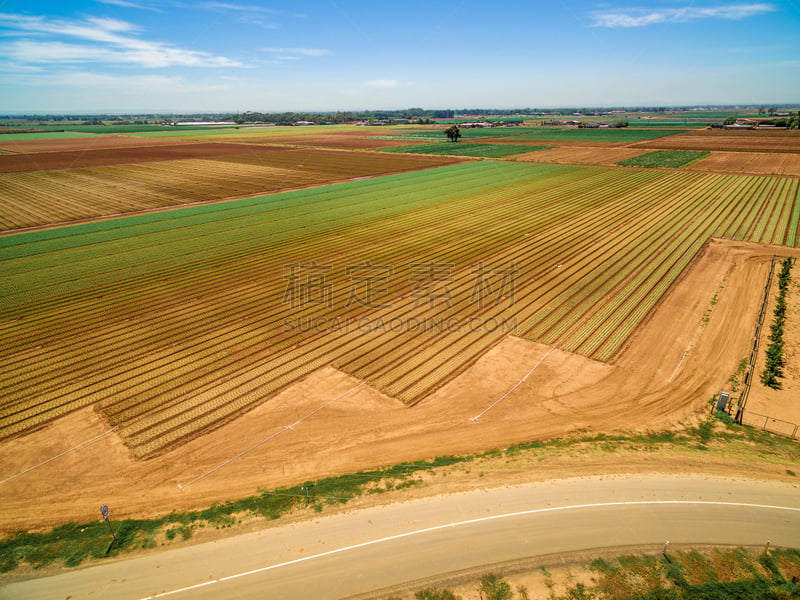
pixel 727 140
pixel 76 159
pixel 757 163
pixel 88 142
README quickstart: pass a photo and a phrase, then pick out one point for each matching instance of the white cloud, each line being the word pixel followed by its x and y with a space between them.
pixel 109 41
pixel 383 83
pixel 639 17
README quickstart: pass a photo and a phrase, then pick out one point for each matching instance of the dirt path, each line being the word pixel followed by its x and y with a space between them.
pixel 681 356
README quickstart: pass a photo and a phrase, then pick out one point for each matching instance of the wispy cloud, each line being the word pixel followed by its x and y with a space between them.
pixel 383 83
pixel 13 67
pixel 226 6
pixel 639 17
pixel 250 14
pixel 102 40
pixel 126 4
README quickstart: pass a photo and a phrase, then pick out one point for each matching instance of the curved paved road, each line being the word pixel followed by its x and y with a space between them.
pixel 335 557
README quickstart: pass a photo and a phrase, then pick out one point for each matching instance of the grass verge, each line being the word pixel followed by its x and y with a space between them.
pixel 713 574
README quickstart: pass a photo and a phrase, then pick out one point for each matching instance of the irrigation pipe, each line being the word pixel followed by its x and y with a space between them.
pixel 274 435
pixel 519 383
pixel 81 445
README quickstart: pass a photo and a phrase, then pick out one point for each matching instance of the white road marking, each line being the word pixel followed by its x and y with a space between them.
pixel 461 523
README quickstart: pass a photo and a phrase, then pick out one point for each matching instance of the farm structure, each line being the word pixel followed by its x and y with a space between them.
pixel 171 324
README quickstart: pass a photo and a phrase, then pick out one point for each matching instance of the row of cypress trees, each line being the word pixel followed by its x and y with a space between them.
pixel 775 361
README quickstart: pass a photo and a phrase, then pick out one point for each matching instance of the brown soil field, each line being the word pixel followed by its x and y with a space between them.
pixel 89 142
pixel 784 403
pixel 38 198
pixel 757 163
pixel 731 141
pixel 75 159
pixel 663 377
pixel 576 155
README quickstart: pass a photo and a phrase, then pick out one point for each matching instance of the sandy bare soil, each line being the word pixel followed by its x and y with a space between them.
pixel 784 403
pixel 665 375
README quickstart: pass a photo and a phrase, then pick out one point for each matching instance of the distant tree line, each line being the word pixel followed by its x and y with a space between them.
pixel 333 118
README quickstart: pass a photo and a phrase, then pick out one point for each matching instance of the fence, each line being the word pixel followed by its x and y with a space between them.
pixel 751 366
pixel 771 424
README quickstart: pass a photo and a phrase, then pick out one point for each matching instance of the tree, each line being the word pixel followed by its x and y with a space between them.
pixel 453 133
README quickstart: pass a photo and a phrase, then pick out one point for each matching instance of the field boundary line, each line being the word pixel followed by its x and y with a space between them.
pixel 274 435
pixel 81 445
pixel 516 385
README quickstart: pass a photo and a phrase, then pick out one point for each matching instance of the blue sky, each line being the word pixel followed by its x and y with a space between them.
pixel 132 56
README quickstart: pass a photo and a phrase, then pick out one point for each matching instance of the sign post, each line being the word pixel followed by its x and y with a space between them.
pixel 104 511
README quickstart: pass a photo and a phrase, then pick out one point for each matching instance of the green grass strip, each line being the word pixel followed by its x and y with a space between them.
pixel 50 135
pixel 611 135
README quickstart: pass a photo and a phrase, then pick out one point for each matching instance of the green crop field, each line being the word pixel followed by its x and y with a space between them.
pixel 672 159
pixel 172 323
pixel 49 135
pixel 611 135
pixel 466 149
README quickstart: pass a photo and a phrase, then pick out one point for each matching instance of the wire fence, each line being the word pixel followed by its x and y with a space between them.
pixel 751 365
pixel 771 424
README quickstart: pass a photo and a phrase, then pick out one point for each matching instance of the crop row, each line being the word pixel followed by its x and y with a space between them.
pixel 172 327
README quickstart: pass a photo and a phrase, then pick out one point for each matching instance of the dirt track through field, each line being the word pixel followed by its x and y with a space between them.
pixel 668 370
